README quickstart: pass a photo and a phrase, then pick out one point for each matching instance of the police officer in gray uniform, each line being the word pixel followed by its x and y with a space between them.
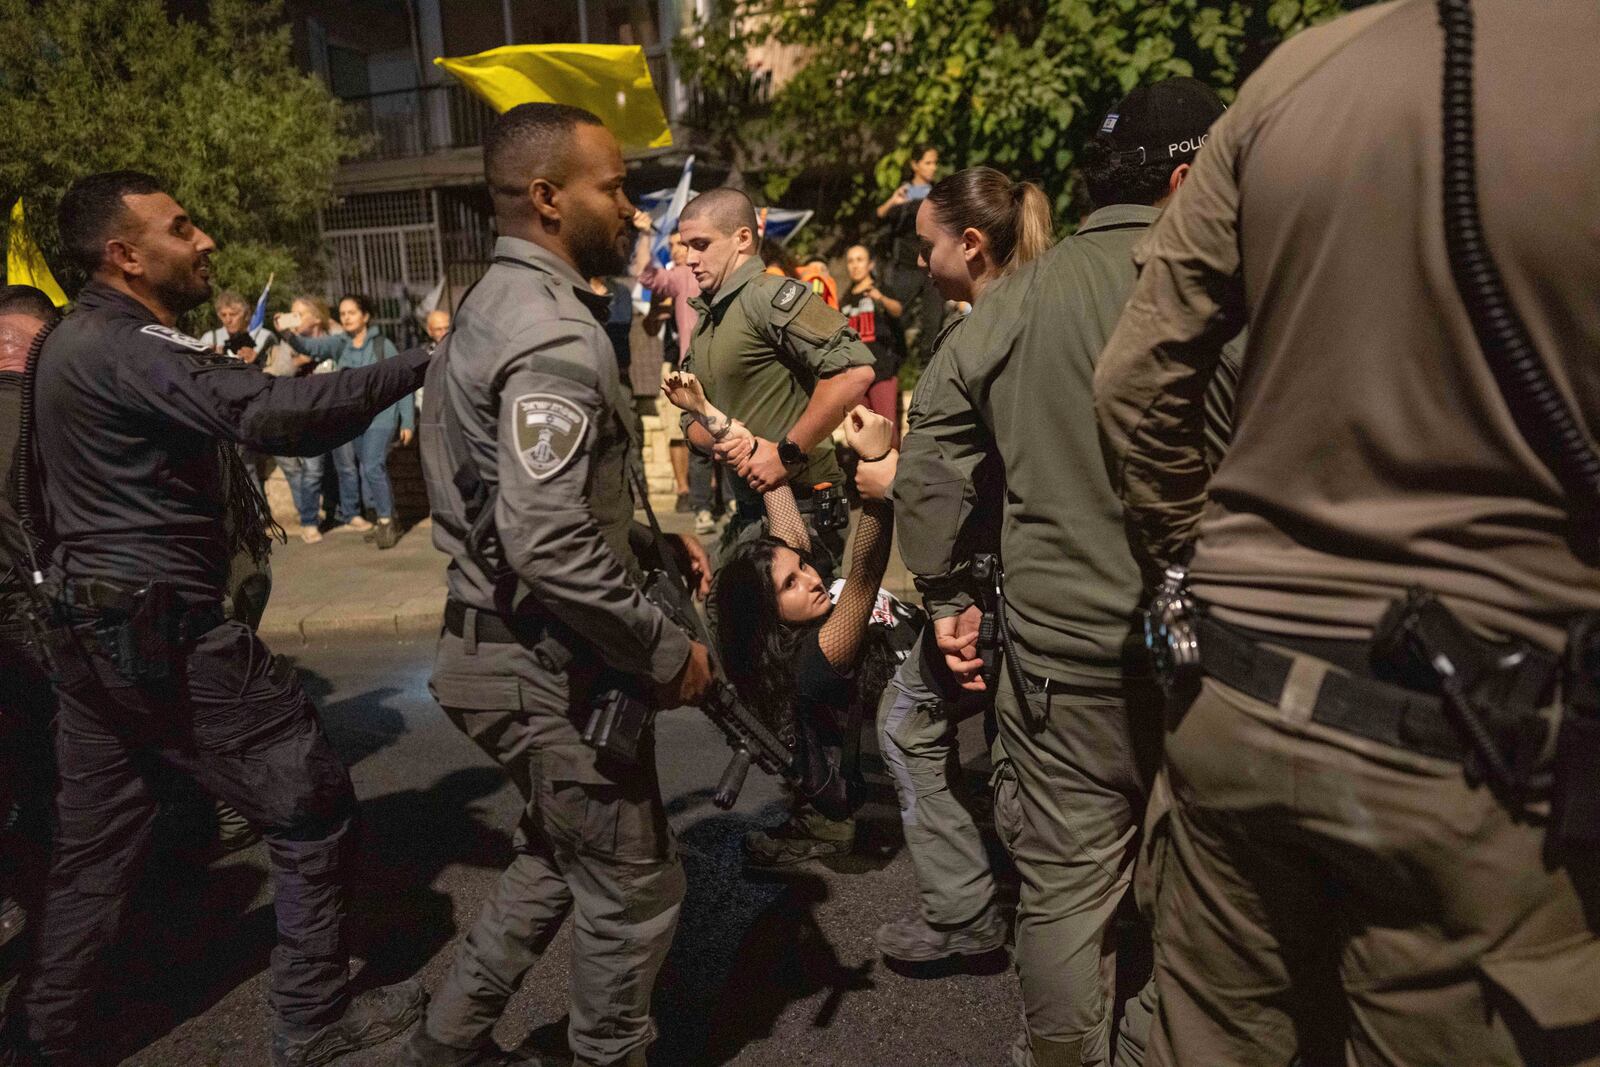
pixel 526 451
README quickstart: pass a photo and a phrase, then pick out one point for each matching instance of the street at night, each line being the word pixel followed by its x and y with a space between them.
pixel 764 970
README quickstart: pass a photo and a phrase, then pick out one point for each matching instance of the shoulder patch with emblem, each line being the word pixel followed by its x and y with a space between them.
pixel 549 432
pixel 177 337
pixel 788 293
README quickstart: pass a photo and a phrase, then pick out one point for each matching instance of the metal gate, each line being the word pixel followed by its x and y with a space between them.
pixel 386 246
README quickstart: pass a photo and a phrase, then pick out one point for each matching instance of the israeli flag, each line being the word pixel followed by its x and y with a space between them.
pixel 668 219
pixel 259 319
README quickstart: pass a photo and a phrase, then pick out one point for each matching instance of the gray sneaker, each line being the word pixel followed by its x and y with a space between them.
pixel 371 1019
pixel 912 940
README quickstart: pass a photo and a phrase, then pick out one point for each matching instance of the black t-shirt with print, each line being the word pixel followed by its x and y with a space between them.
pixel 879 330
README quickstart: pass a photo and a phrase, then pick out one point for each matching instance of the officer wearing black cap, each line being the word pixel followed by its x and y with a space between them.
pixel 1365 855
pixel 144 503
pixel 1077 719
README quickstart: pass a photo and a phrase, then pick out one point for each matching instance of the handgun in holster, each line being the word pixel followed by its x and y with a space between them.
pixel 991 575
pixel 1577 772
pixel 137 627
pixel 1493 692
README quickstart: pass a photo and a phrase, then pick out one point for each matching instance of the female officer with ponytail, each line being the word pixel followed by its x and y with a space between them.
pixel 1078 715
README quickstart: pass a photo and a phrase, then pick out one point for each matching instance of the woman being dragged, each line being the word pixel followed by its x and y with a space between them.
pixel 807 659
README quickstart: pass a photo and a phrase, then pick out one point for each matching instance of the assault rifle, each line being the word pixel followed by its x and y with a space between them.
pixel 621 719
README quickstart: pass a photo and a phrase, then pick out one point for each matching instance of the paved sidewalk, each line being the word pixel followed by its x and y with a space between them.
pixel 345 586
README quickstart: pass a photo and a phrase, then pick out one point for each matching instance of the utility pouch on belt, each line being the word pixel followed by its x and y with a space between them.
pixel 1577 784
pixel 618 725
pixel 826 507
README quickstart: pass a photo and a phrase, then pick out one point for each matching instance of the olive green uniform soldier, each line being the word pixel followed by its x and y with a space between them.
pixel 532 430
pixel 772 354
pixel 1080 744
pixel 1335 885
pixel 956 914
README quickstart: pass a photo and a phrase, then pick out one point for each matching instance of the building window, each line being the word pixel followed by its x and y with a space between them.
pixel 624 22
pixel 472 26
pixel 545 22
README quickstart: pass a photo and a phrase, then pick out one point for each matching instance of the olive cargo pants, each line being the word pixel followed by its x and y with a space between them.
pixel 917 736
pixel 596 847
pixel 1070 795
pixel 1319 893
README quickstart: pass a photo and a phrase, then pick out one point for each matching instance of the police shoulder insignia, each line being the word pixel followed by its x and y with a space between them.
pixel 549 432
pixel 167 333
pixel 788 293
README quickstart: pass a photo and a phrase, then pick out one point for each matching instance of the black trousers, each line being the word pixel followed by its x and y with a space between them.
pixel 27 768
pixel 249 735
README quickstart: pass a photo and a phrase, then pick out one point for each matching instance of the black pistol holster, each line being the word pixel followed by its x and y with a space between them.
pixel 994 637
pixel 141 629
pixel 1577 772
pixel 1495 693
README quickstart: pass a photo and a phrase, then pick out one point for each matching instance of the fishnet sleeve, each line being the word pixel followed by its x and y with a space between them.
pixel 784 520
pixel 841 636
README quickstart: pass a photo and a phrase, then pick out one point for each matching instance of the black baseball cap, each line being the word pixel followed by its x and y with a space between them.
pixel 1164 122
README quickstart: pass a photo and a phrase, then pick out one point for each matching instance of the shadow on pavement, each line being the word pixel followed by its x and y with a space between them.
pixel 360 725
pixel 191 939
pixel 193 936
pixel 398 920
pixel 745 949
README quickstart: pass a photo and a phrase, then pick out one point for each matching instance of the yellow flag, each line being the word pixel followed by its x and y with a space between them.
pixel 611 80
pixel 25 264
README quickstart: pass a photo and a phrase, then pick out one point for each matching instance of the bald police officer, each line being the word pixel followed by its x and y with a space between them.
pixel 526 445
pixel 775 356
pixel 1334 884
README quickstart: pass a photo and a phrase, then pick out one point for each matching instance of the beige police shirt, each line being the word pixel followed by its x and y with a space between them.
pixel 1372 449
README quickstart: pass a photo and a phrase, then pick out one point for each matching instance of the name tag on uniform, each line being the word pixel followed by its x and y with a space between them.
pixel 177 337
pixel 549 431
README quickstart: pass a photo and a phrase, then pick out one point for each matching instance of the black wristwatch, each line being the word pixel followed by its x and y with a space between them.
pixel 791 453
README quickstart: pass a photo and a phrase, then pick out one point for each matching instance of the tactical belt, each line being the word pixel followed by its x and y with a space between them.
pixel 492 629
pixel 98 596
pixel 1363 706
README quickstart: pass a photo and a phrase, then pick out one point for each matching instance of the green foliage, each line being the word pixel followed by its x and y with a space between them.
pixel 1016 84
pixel 218 111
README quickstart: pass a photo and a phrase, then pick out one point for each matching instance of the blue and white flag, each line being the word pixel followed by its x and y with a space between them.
pixel 259 319
pixel 783 223
pixel 668 220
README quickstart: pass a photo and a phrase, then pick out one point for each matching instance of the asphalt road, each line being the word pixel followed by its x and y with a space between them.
pixel 764 970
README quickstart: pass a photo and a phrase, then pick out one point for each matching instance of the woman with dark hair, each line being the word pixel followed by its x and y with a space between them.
pixel 363 464
pixel 809 660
